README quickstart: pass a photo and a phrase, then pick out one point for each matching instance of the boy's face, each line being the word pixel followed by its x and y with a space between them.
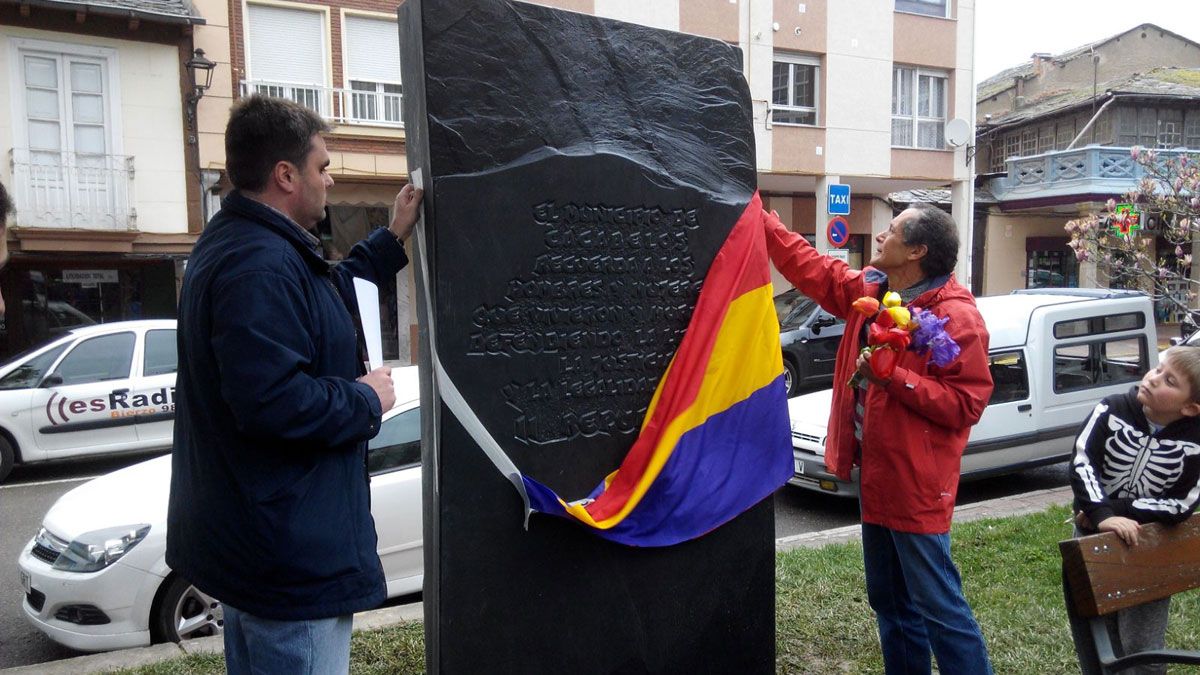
pixel 1165 394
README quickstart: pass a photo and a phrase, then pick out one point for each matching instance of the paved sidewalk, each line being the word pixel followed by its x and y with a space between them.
pixel 1031 502
pixel 142 656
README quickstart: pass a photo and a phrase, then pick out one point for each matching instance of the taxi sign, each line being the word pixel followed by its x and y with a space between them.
pixel 839 200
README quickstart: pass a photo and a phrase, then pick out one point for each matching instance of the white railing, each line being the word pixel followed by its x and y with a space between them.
pixel 1094 169
pixel 73 190
pixel 344 106
pixel 777 113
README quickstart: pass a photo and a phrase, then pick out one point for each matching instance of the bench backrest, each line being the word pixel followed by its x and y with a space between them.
pixel 1105 575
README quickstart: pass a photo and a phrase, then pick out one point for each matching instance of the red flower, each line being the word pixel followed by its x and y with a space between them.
pixel 883 361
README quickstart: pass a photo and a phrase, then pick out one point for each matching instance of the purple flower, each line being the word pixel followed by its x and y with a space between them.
pixel 930 336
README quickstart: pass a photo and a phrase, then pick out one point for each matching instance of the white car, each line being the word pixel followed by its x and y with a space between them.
pixel 1053 354
pixel 96 389
pixel 96 578
pixel 1192 340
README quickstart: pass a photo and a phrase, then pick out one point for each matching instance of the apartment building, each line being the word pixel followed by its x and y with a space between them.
pixel 342 59
pixel 853 92
pixel 1054 140
pixel 849 92
pixel 97 159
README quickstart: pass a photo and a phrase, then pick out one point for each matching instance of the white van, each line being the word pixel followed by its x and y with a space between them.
pixel 1054 353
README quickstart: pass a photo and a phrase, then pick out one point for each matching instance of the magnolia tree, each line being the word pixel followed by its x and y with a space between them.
pixel 1115 239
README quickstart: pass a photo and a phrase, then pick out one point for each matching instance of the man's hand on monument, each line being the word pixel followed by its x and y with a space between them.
pixel 405 211
pixel 380 380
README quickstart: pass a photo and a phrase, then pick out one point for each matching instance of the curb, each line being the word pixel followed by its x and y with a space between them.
pixel 143 656
pixel 1030 502
pixel 375 619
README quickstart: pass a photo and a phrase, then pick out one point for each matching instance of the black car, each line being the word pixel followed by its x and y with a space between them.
pixel 809 336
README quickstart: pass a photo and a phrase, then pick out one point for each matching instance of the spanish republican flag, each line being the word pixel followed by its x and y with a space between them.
pixel 716 438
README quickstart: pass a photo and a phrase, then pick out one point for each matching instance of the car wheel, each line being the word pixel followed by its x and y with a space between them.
pixel 791 377
pixel 7 457
pixel 184 612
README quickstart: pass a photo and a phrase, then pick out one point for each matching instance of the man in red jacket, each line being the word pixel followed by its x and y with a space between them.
pixel 906 433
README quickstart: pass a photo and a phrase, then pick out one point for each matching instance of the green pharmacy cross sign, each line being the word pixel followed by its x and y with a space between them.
pixel 1126 220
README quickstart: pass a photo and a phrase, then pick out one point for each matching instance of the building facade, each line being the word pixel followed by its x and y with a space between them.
pixel 97 161
pixel 1055 138
pixel 852 92
pixel 849 92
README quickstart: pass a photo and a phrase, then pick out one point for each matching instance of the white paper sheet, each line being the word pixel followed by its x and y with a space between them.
pixel 367 294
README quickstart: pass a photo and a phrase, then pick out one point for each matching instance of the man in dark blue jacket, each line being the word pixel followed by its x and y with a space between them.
pixel 270 505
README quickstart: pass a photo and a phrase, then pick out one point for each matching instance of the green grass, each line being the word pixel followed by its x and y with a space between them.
pixel 196 664
pixel 1010 571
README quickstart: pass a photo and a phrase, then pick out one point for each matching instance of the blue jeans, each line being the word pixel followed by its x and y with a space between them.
pixel 916 592
pixel 265 646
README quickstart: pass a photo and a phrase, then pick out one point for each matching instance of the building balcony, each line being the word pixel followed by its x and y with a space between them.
pixel 1092 173
pixel 67 190
pixel 381 107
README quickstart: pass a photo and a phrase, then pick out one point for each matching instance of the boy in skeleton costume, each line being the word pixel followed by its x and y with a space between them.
pixel 1137 460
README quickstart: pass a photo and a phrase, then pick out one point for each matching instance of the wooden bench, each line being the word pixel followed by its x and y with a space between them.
pixel 1104 575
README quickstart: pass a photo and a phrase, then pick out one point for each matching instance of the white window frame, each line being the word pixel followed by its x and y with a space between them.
pixel 815 108
pixel 914 103
pixel 74 208
pixel 380 99
pixel 944 15
pixel 112 80
pixel 312 95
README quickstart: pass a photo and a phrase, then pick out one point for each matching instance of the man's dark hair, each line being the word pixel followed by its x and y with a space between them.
pixel 935 229
pixel 6 206
pixel 263 131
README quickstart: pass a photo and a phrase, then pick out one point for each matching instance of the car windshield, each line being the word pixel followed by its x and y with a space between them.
pixel 28 374
pixel 24 354
pixel 791 305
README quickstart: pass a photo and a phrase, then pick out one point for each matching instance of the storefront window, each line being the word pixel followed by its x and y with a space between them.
pixel 854 246
pixel 344 227
pixel 1168 309
pixel 46 299
pixel 1049 263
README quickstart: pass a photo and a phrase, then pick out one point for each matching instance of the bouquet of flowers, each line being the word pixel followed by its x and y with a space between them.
pixel 896 328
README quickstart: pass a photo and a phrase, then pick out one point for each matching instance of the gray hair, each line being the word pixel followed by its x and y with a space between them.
pixel 935 229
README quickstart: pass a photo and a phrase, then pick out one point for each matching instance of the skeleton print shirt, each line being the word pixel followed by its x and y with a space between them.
pixel 1122 468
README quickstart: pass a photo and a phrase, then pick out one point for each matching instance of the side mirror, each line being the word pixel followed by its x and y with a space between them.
pixel 822 322
pixel 51 380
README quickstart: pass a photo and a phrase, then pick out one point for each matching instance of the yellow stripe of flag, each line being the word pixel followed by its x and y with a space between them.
pixel 745 358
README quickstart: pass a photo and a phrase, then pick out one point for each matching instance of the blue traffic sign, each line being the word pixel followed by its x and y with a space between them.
pixel 838 232
pixel 839 200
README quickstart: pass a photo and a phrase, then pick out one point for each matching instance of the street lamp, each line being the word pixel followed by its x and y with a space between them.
pixel 201 70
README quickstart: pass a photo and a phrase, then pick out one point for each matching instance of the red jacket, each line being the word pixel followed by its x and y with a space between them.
pixel 915 429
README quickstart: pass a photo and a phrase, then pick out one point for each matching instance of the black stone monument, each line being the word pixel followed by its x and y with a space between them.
pixel 580 175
